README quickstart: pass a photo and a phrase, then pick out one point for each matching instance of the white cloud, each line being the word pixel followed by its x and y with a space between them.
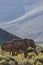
pixel 31 4
pixel 22 18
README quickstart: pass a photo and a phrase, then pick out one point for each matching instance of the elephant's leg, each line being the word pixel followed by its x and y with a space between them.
pixel 25 53
pixel 13 52
pixel 10 52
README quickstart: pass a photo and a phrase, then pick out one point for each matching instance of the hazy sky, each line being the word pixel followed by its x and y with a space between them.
pixel 10 9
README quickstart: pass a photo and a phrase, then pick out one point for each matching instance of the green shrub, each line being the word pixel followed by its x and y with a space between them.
pixel 27 63
pixel 5 58
pixel 38 63
pixel 31 55
pixel 13 63
pixel 30 49
pixel 4 62
pixel 39 48
pixel 40 59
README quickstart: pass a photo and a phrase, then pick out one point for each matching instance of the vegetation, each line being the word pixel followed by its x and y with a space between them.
pixel 32 58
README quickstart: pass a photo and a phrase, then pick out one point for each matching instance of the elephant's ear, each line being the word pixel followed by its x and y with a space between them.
pixel 25 39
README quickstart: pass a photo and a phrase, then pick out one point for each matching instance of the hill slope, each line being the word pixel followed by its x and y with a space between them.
pixel 4 36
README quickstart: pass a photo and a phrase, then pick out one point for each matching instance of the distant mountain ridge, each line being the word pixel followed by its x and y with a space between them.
pixel 6 36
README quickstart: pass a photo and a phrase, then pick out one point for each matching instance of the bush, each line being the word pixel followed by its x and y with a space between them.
pixel 38 63
pixel 5 58
pixel 13 63
pixel 4 62
pixel 27 63
pixel 31 55
pixel 39 48
pixel 40 59
pixel 30 49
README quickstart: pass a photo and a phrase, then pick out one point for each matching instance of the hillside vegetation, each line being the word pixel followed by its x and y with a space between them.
pixel 32 58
